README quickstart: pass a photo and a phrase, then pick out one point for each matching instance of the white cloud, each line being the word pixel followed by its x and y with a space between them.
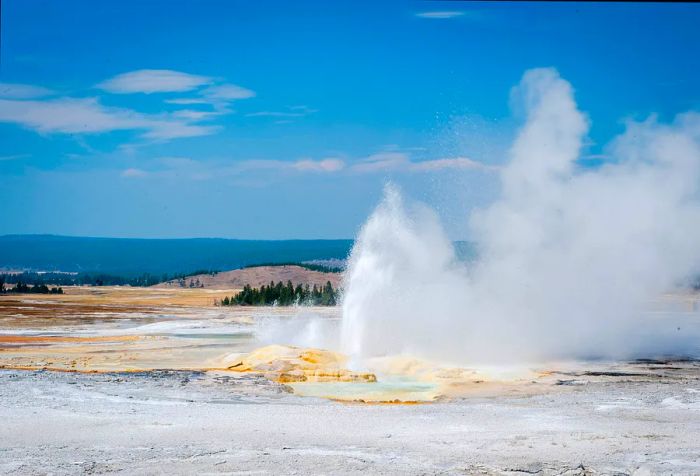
pixel 195 116
pixel 303 109
pixel 22 104
pixel 190 169
pixel 134 173
pixel 186 101
pixel 22 91
pixel 440 14
pixel 88 116
pixel 169 129
pixel 274 114
pixel 328 165
pixel 382 161
pixel 399 161
pixel 68 115
pixel 324 165
pixel 462 163
pixel 293 111
pixel 153 81
pixel 227 92
pixel 183 167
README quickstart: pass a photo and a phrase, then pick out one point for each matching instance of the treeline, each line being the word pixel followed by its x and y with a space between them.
pixel 22 288
pixel 95 279
pixel 323 268
pixel 284 295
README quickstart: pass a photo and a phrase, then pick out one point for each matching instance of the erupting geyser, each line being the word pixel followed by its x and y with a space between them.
pixel 568 256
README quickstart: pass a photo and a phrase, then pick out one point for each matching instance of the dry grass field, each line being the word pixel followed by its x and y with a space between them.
pixel 256 277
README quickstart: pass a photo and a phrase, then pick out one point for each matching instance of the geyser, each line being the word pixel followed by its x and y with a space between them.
pixel 568 256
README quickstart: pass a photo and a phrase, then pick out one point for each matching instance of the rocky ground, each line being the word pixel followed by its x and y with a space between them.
pixel 183 422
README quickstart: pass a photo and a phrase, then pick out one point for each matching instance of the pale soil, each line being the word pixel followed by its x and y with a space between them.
pixel 198 423
pixel 571 418
pixel 258 276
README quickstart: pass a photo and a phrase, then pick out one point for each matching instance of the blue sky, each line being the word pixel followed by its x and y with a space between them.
pixel 284 119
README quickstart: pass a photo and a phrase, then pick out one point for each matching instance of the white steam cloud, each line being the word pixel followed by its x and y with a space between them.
pixel 569 257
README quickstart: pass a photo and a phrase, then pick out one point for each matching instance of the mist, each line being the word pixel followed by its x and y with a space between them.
pixel 569 257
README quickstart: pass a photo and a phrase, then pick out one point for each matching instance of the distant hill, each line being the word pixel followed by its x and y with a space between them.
pixel 256 277
pixel 125 256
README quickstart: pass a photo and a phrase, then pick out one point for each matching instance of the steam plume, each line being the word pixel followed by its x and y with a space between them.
pixel 569 257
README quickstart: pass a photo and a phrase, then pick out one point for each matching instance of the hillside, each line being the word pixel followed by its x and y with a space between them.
pixel 256 277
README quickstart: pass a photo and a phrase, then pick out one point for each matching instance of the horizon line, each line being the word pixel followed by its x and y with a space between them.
pixel 56 235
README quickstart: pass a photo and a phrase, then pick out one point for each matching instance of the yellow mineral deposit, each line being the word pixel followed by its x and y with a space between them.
pixel 386 380
pixel 286 364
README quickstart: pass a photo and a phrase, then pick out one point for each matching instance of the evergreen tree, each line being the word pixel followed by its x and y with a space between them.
pixel 284 295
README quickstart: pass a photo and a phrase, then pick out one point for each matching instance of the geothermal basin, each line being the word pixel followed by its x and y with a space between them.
pixel 152 381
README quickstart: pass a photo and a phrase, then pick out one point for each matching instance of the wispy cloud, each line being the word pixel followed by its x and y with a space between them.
pixel 134 173
pixel 274 114
pixel 401 162
pixel 227 92
pixel 196 115
pixel 327 165
pixel 22 91
pixel 89 116
pixel 68 115
pixel 441 15
pixel 205 90
pixel 5 158
pixel 396 162
pixel 25 105
pixel 324 165
pixel 208 90
pixel 170 129
pixel 293 111
pixel 186 101
pixel 382 161
pixel 153 81
pixel 190 169
pixel 459 163
pixel 303 109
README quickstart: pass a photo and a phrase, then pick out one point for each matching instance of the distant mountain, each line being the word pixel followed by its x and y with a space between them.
pixel 126 256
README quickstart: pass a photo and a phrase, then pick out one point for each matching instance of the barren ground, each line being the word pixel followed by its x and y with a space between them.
pixel 258 276
pixel 137 395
